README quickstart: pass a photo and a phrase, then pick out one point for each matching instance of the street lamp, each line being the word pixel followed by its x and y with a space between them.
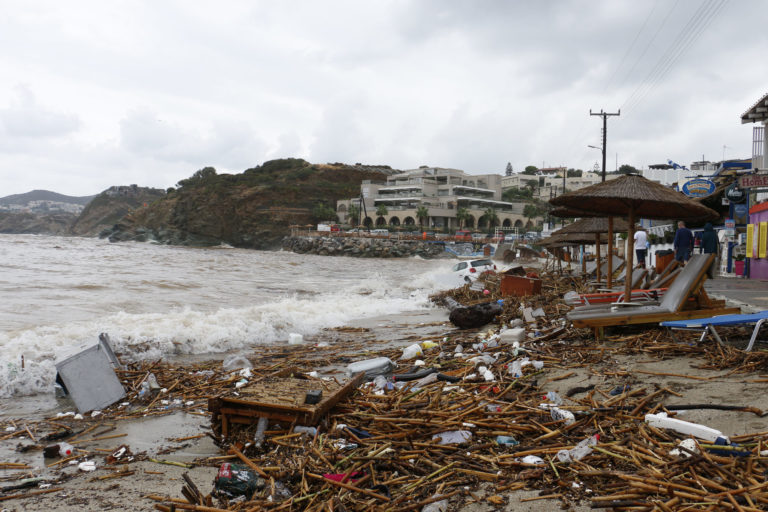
pixel 602 150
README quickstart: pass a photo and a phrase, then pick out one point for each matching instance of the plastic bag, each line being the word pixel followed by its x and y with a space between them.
pixel 237 480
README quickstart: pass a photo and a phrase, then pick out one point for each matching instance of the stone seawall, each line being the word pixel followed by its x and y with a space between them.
pixel 363 247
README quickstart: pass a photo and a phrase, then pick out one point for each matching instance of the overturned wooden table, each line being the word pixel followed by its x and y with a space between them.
pixel 278 398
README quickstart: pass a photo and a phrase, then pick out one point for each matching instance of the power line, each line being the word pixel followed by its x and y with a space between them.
pixel 629 49
pixel 698 23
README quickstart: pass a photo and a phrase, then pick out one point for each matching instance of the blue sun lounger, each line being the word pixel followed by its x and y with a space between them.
pixel 708 325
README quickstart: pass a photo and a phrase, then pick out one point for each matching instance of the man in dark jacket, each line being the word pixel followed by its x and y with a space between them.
pixel 683 243
pixel 710 245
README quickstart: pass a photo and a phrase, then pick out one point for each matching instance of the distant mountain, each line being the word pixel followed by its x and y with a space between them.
pixel 110 206
pixel 44 195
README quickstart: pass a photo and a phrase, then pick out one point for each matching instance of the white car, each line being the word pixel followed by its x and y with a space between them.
pixel 471 270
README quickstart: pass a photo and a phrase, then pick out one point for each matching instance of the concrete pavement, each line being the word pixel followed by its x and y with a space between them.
pixel 749 294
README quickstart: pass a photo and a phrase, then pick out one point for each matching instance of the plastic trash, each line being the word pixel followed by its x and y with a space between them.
pixel 144 390
pixel 453 437
pixel 553 397
pixel 295 339
pixel 507 440
pixel 689 444
pixel 236 362
pixel 532 459
pixel 261 427
pixel 516 369
pixel 538 365
pixel 381 382
pixel 428 344
pixel 371 367
pixel 661 420
pixel 579 451
pixel 619 390
pixel 66 450
pixel 459 349
pixel 88 465
pixel 562 414
pixel 516 322
pixel 510 336
pixel 236 480
pixel 436 506
pixel 153 385
pixel 310 431
pixel 412 351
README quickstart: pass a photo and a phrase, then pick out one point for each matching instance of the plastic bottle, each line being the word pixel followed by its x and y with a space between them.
pixel 66 450
pixel 579 451
pixel 516 369
pixel 380 382
pixel 507 440
pixel 371 367
pixel 310 431
pixel 553 397
pixel 562 414
pixel 412 351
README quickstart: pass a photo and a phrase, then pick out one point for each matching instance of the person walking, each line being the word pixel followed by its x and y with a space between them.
pixel 710 245
pixel 683 243
pixel 641 246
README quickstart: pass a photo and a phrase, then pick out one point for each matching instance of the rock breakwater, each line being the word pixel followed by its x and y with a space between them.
pixel 364 247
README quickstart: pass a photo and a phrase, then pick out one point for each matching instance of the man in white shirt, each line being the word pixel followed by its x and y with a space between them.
pixel 641 247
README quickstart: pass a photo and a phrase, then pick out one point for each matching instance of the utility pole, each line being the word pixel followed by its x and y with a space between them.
pixel 604 115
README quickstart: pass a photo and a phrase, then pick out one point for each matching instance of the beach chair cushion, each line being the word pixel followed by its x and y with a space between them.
pixel 704 324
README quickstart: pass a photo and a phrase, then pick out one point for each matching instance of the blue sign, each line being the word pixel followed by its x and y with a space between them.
pixel 698 187
pixel 740 210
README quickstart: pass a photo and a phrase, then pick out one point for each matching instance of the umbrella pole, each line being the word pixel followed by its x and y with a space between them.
pixel 583 262
pixel 597 255
pixel 610 251
pixel 630 255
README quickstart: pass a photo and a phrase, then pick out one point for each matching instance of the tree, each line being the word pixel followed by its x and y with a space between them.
pixel 462 215
pixel 575 173
pixel 381 210
pixel 513 193
pixel 626 169
pixel 323 212
pixel 509 169
pixel 531 169
pixel 198 177
pixel 422 213
pixel 353 214
pixel 490 217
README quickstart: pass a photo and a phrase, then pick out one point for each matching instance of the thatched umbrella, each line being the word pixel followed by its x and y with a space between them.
pixel 559 239
pixel 597 225
pixel 633 196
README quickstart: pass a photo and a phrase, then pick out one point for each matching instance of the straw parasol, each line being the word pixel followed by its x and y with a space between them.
pixel 596 225
pixel 559 239
pixel 633 196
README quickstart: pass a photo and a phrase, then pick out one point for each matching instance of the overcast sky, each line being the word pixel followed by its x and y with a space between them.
pixel 96 94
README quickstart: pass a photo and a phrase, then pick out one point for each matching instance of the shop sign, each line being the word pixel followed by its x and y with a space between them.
pixel 698 187
pixel 735 194
pixel 754 181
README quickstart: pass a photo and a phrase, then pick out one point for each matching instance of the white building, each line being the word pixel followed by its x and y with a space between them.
pixel 443 192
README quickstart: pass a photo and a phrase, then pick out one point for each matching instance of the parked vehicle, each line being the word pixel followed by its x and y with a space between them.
pixel 479 236
pixel 471 270
pixel 380 232
pixel 463 235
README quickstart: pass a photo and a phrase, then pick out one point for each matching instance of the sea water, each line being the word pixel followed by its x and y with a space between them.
pixel 58 293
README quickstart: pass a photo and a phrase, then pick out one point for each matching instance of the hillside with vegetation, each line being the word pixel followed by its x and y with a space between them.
pixel 252 209
pixel 107 208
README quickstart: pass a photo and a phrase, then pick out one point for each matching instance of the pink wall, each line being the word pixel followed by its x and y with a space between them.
pixel 758 267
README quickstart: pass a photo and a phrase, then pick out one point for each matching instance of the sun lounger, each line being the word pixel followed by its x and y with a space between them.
pixel 675 305
pixel 708 326
pixel 609 295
